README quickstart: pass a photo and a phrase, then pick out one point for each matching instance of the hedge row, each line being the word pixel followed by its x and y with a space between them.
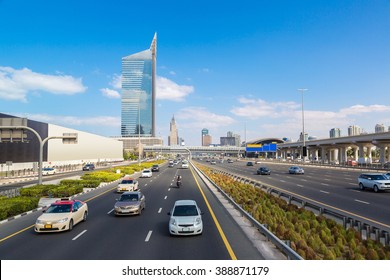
pixel 313 237
pixel 29 197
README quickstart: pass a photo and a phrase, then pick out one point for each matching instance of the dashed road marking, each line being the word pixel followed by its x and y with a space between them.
pixel 81 233
pixel 148 236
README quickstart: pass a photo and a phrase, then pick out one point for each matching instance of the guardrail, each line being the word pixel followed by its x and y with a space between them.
pixel 367 228
pixel 281 245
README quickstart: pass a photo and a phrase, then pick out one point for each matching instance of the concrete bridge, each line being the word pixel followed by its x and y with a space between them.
pixel 335 149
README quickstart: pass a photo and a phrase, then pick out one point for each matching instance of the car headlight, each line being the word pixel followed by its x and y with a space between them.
pixel 40 221
pixel 172 221
pixel 198 221
pixel 62 220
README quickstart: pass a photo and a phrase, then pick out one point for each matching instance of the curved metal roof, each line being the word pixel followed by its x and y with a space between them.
pixel 266 141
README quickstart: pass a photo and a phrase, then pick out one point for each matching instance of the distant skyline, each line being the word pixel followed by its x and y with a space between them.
pixel 221 65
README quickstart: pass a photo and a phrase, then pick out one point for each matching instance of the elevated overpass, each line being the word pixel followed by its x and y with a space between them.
pixel 194 149
pixel 335 149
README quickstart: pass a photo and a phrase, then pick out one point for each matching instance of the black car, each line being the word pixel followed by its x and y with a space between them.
pixel 249 163
pixel 263 171
pixel 89 167
pixel 155 168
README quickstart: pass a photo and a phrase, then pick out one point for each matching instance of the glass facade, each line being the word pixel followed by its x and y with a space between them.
pixel 138 93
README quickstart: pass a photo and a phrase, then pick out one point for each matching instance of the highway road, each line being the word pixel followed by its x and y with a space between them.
pixel 337 188
pixel 144 237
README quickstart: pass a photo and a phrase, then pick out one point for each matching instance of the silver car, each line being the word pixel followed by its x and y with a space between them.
pixel 130 203
pixel 296 170
pixel 185 218
pixel 377 182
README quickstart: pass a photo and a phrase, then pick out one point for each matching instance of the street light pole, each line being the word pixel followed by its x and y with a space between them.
pixel 41 144
pixel 139 133
pixel 302 90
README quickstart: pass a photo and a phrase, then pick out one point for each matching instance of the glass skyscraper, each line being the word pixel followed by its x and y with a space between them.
pixel 138 93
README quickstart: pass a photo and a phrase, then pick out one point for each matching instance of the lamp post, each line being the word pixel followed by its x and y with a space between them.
pixel 304 151
pixel 71 138
pixel 139 132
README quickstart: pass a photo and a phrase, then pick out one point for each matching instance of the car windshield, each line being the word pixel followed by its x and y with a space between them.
pixel 185 210
pixel 129 197
pixel 59 208
pixel 127 182
pixel 379 177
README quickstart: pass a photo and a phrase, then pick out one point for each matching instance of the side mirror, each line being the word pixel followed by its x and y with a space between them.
pixel 169 213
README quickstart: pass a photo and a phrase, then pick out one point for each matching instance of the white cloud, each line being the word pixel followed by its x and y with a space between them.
pixel 17 84
pixel 199 117
pixel 116 81
pixel 361 109
pixel 169 90
pixel 257 108
pixel 67 121
pixel 110 93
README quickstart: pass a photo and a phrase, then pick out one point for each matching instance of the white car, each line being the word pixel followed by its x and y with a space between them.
pixel 62 215
pixel 296 170
pixel 185 218
pixel 48 171
pixel 127 184
pixel 184 164
pixel 376 181
pixel 146 173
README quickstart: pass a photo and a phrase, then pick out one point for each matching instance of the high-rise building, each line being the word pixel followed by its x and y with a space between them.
pixel 379 128
pixel 335 133
pixel 139 92
pixel 354 130
pixel 173 138
pixel 206 138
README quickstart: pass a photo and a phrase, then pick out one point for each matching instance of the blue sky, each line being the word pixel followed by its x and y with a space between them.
pixel 222 65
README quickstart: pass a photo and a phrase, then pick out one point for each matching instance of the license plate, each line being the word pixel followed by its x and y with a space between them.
pixel 48 226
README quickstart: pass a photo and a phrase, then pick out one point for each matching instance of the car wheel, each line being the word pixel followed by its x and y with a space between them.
pixel 361 187
pixel 85 216
pixel 70 225
pixel 376 189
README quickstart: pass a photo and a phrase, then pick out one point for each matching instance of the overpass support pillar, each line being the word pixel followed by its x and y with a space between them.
pixel 323 154
pixel 369 154
pixel 343 154
pixel 361 154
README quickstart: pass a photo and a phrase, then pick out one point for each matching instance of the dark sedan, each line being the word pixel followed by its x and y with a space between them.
pixel 263 171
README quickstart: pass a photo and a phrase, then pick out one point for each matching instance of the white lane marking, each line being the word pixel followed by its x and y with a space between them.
pixel 324 192
pixel 159 210
pixel 326 179
pixel 165 197
pixel 169 189
pixel 361 201
pixel 301 186
pixel 304 180
pixel 148 236
pixel 324 184
pixel 282 181
pixel 84 231
pixel 109 212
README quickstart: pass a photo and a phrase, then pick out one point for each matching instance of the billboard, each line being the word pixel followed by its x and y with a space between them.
pixel 261 148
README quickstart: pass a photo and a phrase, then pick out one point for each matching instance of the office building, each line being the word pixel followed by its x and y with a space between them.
pixel 354 130
pixel 335 133
pixel 173 138
pixel 22 152
pixel 379 128
pixel 206 138
pixel 139 93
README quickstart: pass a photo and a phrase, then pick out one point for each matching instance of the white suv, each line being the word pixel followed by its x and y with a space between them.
pixel 376 181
